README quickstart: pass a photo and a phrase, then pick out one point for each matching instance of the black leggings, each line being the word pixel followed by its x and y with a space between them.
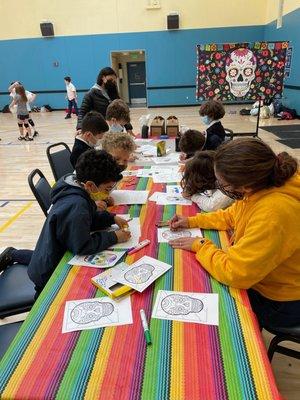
pixel 273 314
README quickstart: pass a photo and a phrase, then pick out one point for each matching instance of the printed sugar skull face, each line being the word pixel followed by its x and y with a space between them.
pixel 177 304
pixel 171 235
pixel 240 71
pixel 87 312
pixel 139 274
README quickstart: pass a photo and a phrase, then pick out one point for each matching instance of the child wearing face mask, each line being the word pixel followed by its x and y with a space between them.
pixel 117 116
pixel 74 223
pixel 211 112
pixel 100 96
pixel 264 257
pixel 93 129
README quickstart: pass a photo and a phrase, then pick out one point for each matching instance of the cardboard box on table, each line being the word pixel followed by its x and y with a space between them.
pixel 172 127
pixel 157 127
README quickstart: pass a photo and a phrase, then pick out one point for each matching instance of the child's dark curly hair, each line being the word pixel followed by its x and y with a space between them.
pixel 214 109
pixel 97 166
pixel 191 141
pixel 199 173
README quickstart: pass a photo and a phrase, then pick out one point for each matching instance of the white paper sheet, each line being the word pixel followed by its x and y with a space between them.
pixel 144 173
pixel 171 158
pixel 105 259
pixel 173 189
pixel 135 230
pixel 200 308
pixel 142 273
pixel 141 142
pixel 164 235
pixel 96 313
pixel 175 199
pixel 132 172
pixel 154 196
pixel 147 150
pixel 130 196
pixel 167 177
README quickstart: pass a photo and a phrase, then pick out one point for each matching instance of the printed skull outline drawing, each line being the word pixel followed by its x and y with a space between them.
pixel 139 274
pixel 171 235
pixel 178 304
pixel 240 71
pixel 91 311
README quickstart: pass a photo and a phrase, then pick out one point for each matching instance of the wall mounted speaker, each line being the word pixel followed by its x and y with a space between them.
pixel 173 21
pixel 47 28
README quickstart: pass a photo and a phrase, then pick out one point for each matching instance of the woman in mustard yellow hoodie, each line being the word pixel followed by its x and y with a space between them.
pixel 265 255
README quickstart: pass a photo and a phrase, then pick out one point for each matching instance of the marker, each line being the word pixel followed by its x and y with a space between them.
pixel 145 326
pixel 141 245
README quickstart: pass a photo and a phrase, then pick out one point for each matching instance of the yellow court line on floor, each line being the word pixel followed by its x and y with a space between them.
pixel 16 216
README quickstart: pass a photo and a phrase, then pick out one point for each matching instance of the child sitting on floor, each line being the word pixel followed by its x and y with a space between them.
pixel 190 142
pixel 211 112
pixel 73 216
pixel 92 131
pixel 199 183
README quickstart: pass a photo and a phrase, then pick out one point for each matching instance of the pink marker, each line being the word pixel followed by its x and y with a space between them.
pixel 140 246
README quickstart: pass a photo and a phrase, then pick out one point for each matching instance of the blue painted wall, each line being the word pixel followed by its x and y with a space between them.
pixel 170 61
pixel 289 31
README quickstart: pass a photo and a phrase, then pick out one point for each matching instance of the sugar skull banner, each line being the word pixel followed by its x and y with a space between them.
pixel 240 71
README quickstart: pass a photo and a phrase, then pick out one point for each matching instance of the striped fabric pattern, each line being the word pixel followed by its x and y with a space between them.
pixel 186 360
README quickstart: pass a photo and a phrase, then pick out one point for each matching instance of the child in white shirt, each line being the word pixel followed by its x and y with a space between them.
pixel 71 97
pixel 198 183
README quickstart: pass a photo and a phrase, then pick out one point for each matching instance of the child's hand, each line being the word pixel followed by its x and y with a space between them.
pixel 178 221
pixel 121 222
pixel 183 243
pixel 182 157
pixel 101 205
pixel 110 201
pixel 122 235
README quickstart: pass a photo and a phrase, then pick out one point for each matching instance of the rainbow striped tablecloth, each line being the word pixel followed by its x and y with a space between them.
pixel 186 360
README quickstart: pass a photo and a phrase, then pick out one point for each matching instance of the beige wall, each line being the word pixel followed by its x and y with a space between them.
pixel 21 18
pixel 272 8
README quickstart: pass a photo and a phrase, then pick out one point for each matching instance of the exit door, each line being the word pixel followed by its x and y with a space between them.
pixel 137 82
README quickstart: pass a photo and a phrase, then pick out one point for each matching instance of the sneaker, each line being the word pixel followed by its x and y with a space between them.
pixel 21 138
pixel 35 133
pixel 28 138
pixel 67 116
pixel 6 258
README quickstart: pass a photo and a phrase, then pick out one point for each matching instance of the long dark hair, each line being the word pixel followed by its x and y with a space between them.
pixel 105 72
pixel 20 90
pixel 251 163
pixel 199 173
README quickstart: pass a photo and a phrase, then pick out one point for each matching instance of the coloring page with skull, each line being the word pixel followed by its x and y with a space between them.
pixel 200 308
pixel 164 235
pixel 142 273
pixel 96 313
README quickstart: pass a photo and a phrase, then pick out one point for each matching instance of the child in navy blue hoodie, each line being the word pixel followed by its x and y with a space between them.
pixel 73 216
pixel 211 113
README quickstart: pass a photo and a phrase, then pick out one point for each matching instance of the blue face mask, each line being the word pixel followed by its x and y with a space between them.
pixel 116 128
pixel 206 120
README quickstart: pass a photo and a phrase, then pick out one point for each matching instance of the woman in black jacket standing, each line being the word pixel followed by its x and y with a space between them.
pixel 100 95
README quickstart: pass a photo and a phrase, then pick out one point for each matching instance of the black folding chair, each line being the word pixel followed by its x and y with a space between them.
pixel 41 189
pixel 284 334
pixel 59 160
pixel 7 335
pixel 16 291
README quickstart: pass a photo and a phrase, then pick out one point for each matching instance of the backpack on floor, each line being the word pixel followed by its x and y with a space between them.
pixel 6 109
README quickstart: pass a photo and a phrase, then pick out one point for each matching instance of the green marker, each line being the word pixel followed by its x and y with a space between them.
pixel 145 326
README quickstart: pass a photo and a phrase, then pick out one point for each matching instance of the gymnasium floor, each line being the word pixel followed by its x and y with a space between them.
pixel 21 218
